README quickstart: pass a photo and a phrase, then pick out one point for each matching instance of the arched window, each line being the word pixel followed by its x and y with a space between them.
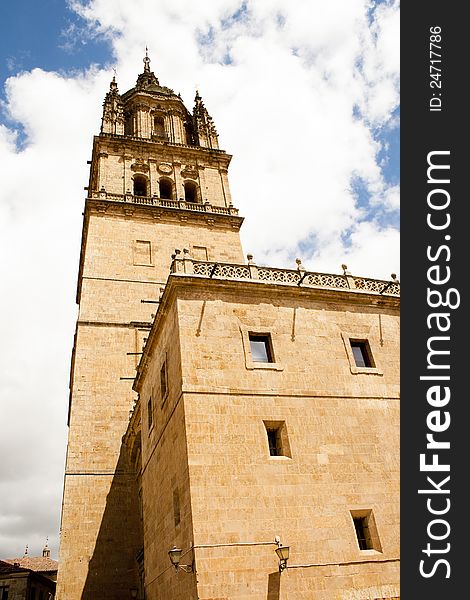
pixel 190 192
pixel 166 189
pixel 128 128
pixel 159 127
pixel 189 134
pixel 140 185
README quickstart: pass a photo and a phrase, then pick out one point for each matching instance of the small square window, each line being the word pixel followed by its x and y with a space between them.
pixel 278 442
pixel 366 530
pixel 362 354
pixel 261 349
pixel 150 412
pixel 164 381
pixel 258 350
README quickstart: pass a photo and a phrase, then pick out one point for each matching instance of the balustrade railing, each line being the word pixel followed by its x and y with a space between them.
pixel 183 263
pixel 165 203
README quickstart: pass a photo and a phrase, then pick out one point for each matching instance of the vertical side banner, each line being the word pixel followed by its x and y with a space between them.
pixel 435 434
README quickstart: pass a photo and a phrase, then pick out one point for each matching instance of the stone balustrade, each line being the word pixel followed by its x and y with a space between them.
pixel 154 200
pixel 183 263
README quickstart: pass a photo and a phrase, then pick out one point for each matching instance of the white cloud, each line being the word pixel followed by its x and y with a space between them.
pixel 307 85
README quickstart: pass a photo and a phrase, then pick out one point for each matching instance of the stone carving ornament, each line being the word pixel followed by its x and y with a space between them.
pixel 189 171
pixel 165 168
pixel 140 166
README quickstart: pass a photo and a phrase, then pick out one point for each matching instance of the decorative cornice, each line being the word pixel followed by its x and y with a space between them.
pixel 130 140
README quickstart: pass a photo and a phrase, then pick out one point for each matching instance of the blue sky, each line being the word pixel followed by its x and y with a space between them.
pixel 307 103
pixel 38 34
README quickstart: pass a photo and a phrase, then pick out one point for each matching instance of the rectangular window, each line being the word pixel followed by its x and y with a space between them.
pixel 3 592
pixel 150 412
pixel 274 442
pixel 176 507
pixel 366 530
pixel 142 253
pixel 278 441
pixel 362 533
pixel 164 381
pixel 200 253
pixel 261 348
pixel 362 354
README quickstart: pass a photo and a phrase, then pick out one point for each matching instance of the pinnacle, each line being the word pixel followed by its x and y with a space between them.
pixel 146 61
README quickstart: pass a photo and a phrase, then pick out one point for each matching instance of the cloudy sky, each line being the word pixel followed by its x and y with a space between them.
pixel 304 94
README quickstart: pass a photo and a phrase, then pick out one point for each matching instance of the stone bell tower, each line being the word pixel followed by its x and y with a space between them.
pixel 158 181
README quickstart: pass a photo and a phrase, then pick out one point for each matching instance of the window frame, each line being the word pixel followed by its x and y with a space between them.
pixel 176 507
pixel 170 183
pixel 369 527
pixel 137 261
pixel 164 370
pixel 283 448
pixel 150 415
pixel 251 364
pixel 140 179
pixel 189 184
pixel 268 346
pixel 366 354
pixel 200 250
pixel 159 131
pixel 350 338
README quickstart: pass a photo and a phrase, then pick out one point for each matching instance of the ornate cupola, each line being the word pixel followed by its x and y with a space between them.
pixel 154 112
pixel 167 153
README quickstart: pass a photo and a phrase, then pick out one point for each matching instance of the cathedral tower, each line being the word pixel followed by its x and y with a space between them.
pixel 158 181
pixel 220 410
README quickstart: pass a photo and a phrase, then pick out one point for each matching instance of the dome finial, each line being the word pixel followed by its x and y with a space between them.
pixel 46 553
pixel 146 61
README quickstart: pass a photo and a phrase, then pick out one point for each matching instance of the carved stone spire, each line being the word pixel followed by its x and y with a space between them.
pixel 147 81
pixel 113 113
pixel 204 125
pixel 146 61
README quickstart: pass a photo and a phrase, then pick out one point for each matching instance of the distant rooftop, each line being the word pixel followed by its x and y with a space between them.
pixel 6 568
pixel 39 564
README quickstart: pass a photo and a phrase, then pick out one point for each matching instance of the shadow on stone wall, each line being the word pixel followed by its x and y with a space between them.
pixel 274 586
pixel 113 571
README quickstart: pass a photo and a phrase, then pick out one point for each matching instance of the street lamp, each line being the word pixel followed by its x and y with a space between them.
pixel 175 557
pixel 283 555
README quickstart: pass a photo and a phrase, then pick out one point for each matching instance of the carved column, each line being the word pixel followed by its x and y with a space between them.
pixel 225 186
pixel 202 184
pixel 178 180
